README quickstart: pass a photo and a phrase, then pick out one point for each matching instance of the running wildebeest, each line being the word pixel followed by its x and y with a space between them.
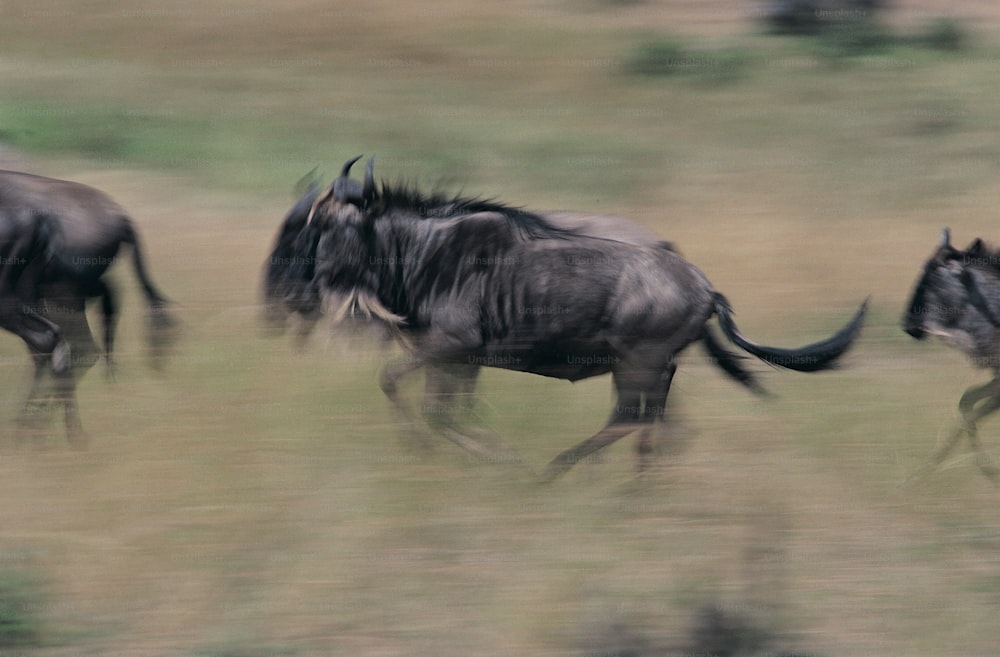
pixel 958 299
pixel 85 231
pixel 449 387
pixel 468 281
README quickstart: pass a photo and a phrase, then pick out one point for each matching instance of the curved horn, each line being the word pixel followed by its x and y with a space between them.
pixel 346 171
pixel 368 192
pixel 343 188
pixel 945 237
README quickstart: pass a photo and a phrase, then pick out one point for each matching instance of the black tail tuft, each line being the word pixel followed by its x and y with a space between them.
pixel 810 358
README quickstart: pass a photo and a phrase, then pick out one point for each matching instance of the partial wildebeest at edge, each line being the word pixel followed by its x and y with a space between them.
pixel 84 233
pixel 958 299
pixel 468 281
pixel 449 387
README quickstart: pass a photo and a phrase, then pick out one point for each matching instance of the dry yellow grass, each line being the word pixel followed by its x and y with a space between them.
pixel 257 500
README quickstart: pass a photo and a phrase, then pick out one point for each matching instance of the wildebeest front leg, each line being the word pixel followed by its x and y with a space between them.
pixel 62 389
pixel 976 403
pixel 65 390
pixel 982 401
pixel 40 334
pixel 448 387
pixel 449 397
pixel 389 382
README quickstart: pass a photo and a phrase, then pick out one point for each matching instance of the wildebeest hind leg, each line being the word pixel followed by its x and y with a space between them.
pixel 624 420
pixel 653 411
pixel 33 411
pixel 65 388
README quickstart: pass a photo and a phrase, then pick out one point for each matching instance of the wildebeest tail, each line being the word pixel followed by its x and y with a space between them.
pixel 162 325
pixel 810 358
pixel 153 295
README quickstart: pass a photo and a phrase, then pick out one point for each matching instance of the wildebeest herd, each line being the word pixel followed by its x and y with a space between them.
pixel 459 283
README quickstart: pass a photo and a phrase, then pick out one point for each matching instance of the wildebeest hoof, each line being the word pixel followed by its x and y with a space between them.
pixel 61 357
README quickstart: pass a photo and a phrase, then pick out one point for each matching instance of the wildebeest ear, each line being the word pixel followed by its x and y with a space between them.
pixel 299 213
pixel 976 297
pixel 308 183
pixel 368 192
pixel 976 248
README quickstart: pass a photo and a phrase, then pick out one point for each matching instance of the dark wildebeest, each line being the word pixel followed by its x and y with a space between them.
pixel 958 299
pixel 467 281
pixel 806 17
pixel 449 387
pixel 86 230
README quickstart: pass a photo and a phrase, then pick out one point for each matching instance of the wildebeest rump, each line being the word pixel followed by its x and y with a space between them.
pixel 86 230
pixel 468 281
pixel 957 298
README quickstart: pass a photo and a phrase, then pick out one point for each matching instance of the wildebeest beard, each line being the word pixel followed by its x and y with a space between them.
pixel 346 275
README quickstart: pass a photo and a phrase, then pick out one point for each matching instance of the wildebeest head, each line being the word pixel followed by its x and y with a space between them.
pixel 340 237
pixel 289 285
pixel 278 281
pixel 948 290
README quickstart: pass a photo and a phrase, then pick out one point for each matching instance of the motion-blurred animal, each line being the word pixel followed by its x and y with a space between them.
pixel 84 231
pixel 468 281
pixel 449 388
pixel 957 299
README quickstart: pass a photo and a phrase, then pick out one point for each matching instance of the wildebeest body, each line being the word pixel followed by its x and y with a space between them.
pixel 470 281
pixel 449 385
pixel 524 309
pixel 85 232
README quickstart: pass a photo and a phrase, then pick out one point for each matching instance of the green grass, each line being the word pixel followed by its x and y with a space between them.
pixel 22 605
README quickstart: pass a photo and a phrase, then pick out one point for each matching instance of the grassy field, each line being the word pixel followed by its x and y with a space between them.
pixel 257 499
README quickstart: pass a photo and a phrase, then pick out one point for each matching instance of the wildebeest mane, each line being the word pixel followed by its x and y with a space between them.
pixel 405 250
pixel 982 256
pixel 405 197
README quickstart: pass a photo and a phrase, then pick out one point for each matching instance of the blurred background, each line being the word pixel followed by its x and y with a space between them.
pixel 256 499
